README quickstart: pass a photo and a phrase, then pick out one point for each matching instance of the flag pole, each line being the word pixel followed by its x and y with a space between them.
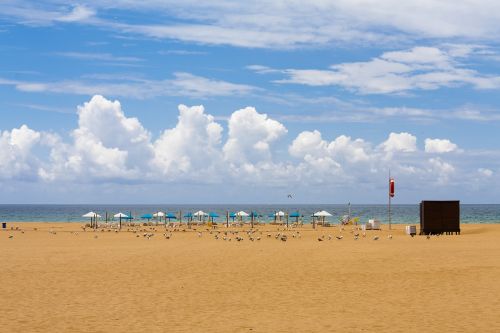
pixel 390 199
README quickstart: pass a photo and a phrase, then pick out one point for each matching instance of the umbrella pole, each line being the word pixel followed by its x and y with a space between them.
pixel 287 220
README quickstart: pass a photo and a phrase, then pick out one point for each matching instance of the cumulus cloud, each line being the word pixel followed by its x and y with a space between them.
pixel 107 146
pixel 16 157
pixel 250 136
pixel 400 142
pixel 191 147
pixel 439 146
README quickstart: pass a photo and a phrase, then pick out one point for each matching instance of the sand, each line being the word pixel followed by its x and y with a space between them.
pixel 117 282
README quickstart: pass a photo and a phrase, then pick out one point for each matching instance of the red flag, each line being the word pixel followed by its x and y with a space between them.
pixel 391 187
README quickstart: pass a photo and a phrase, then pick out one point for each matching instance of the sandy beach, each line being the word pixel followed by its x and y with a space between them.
pixel 59 278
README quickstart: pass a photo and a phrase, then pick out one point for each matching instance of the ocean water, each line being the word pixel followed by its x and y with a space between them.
pixel 401 214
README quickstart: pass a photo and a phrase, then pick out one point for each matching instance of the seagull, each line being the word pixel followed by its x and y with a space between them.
pixel 11 236
pixel 339 237
pixel 320 239
pixel 390 236
pixel 375 238
pixel 290 196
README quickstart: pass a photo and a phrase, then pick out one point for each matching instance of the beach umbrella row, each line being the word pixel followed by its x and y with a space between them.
pixel 201 214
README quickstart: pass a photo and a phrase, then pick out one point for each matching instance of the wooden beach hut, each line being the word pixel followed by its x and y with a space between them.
pixel 438 217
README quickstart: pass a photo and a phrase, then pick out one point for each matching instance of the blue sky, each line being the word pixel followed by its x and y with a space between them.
pixel 318 99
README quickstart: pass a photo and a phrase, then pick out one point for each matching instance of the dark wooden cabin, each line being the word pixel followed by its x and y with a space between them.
pixel 438 217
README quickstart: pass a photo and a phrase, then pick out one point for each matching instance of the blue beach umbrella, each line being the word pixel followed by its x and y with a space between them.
pixel 232 215
pixel 170 216
pixel 296 215
pixel 212 215
pixel 147 216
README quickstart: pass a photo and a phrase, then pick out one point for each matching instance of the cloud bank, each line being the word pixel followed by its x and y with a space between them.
pixel 109 147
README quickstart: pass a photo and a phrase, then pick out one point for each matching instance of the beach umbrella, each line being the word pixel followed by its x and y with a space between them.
pixel 212 216
pixel 120 216
pixel 322 214
pixel 279 215
pixel 92 215
pixel 242 214
pixel 200 214
pixel 296 215
pixel 253 215
pixel 189 216
pixel 147 216
pixel 170 216
pixel 232 215
pixel 159 214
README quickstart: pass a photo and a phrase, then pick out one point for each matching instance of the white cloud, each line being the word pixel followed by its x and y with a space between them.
pixel 16 158
pixel 439 146
pixel 400 142
pixel 183 84
pixel 108 57
pixel 420 68
pixel 485 172
pixel 250 136
pixel 106 145
pixel 192 147
pixel 440 169
pixel 109 147
pixel 275 24
pixel 77 14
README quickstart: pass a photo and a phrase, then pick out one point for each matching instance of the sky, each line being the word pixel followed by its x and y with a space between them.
pixel 227 102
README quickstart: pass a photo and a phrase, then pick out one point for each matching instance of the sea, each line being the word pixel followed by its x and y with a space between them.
pixel 400 214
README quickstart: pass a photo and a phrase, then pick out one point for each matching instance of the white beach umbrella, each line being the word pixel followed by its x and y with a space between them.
pixel 120 215
pixel 242 214
pixel 89 214
pixel 322 213
pixel 280 213
pixel 159 214
pixel 200 213
pixel 92 215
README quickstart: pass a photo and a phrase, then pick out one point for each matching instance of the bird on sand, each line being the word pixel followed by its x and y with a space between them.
pixel 375 238
pixel 11 236
pixel 390 236
pixel 320 239
pixel 339 237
